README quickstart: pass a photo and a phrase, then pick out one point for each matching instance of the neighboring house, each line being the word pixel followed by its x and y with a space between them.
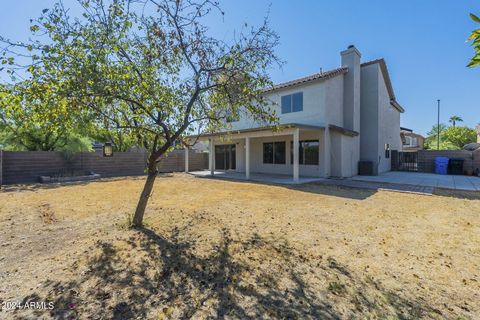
pixel 411 141
pixel 330 121
pixel 478 133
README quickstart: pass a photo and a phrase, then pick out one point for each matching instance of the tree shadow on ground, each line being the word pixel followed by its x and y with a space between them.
pixel 321 188
pixel 334 190
pixel 146 275
pixel 34 186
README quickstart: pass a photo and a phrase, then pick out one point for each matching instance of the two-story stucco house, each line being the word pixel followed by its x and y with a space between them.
pixel 411 141
pixel 330 121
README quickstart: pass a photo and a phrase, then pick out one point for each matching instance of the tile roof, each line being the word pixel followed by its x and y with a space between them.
pixel 335 72
pixel 317 76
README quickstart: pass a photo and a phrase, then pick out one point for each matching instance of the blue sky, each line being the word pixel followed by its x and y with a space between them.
pixel 423 43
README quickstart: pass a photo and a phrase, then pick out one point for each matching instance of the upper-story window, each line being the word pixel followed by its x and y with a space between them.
pixel 411 141
pixel 408 141
pixel 292 102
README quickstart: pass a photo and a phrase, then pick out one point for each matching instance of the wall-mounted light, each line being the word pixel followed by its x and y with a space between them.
pixel 108 149
pixel 387 150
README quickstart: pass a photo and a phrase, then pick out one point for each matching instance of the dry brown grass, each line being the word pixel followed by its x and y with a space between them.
pixel 239 250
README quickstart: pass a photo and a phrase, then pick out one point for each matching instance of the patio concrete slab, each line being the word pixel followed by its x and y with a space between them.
pixel 410 182
pixel 258 177
pixel 421 179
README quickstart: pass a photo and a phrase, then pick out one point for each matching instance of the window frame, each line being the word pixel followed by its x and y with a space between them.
pixel 273 156
pixel 301 152
pixel 265 153
pixel 291 107
pixel 414 142
pixel 275 148
pixel 408 141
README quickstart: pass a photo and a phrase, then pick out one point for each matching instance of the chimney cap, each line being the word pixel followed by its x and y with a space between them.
pixel 351 49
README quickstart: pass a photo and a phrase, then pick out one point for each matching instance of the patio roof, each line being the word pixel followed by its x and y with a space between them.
pixel 281 127
pixel 264 128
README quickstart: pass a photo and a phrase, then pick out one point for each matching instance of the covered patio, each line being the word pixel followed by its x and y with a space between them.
pixel 241 154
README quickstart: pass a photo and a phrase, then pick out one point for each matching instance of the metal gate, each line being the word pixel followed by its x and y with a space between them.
pixel 404 161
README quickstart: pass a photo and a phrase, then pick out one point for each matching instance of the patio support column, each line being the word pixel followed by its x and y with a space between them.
pixel 247 157
pixel 296 145
pixel 326 152
pixel 211 157
pixel 186 159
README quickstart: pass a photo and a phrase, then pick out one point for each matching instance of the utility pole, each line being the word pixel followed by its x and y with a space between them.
pixel 438 125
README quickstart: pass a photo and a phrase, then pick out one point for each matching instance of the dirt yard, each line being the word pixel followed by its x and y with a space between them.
pixel 233 250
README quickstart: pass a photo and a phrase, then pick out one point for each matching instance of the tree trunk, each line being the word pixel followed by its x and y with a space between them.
pixel 147 191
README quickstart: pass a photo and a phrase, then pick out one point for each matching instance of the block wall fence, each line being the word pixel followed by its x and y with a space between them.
pixel 426 159
pixel 28 166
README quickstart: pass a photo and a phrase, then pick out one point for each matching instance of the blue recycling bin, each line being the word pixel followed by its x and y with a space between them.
pixel 441 165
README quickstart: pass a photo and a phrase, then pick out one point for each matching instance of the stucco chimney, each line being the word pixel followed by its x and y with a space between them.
pixel 351 88
pixel 478 133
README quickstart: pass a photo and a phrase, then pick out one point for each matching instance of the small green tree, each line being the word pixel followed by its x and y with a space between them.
pixel 475 39
pixel 459 136
pixel 34 119
pixel 454 119
pixel 151 70
pixel 451 138
pixel 431 139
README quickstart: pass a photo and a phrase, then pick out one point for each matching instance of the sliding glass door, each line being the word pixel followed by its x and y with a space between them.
pixel 225 157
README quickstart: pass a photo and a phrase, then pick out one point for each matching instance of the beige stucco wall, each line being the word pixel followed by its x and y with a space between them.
pixel 380 121
pixel 344 155
pixel 369 110
pixel 322 104
pixel 336 161
pixel 389 126
pixel 334 101
pixel 351 89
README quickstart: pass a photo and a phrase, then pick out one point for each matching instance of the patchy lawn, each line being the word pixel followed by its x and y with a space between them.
pixel 215 248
